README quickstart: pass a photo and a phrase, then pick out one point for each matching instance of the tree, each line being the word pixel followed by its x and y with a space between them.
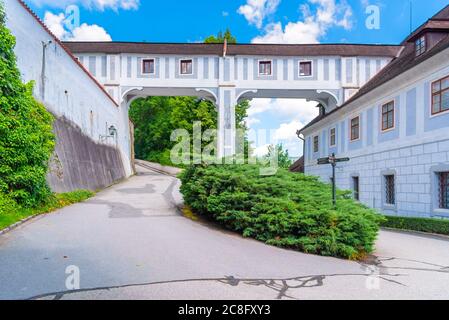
pixel 155 118
pixel 283 157
pixel 26 138
pixel 220 38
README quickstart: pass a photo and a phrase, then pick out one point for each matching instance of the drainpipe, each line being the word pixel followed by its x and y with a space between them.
pixel 44 49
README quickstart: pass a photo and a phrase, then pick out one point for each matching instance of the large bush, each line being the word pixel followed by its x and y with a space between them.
pixel 26 139
pixel 288 210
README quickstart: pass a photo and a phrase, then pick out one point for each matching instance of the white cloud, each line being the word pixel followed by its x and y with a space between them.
pixel 327 14
pixel 255 11
pixel 290 108
pixel 261 151
pixel 55 22
pixel 287 131
pixel 91 4
pixel 84 32
pixel 87 32
pixel 291 114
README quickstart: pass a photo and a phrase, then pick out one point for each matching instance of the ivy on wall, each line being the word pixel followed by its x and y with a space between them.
pixel 26 138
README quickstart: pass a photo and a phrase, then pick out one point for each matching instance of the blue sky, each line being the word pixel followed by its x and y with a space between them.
pixel 280 21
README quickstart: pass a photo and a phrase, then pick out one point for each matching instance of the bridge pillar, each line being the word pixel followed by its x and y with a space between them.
pixel 226 121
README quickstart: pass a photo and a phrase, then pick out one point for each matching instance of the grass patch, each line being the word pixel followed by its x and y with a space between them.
pixel 11 213
pixel 286 210
pixel 438 226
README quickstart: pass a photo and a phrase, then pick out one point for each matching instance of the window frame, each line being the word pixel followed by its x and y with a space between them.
pixel 317 144
pixel 382 114
pixel 143 66
pixel 443 193
pixel 386 187
pixel 265 61
pixel 440 94
pixel 352 139
pixel 356 191
pixel 335 137
pixel 419 51
pixel 299 68
pixel 180 66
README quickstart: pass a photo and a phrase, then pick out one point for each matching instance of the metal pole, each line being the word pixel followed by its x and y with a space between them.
pixel 334 187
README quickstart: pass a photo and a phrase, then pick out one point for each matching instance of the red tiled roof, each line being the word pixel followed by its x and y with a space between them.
pixel 235 49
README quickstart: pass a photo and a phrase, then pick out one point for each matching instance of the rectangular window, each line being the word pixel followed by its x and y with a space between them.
pixel 390 193
pixel 356 188
pixel 388 116
pixel 443 190
pixel 420 46
pixel 148 66
pixel 186 66
pixel 332 137
pixel 355 128
pixel 440 96
pixel 305 68
pixel 316 144
pixel 265 68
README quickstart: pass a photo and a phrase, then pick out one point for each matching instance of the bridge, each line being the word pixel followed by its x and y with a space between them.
pixel 225 74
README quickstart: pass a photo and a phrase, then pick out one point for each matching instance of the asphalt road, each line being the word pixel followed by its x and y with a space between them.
pixel 131 242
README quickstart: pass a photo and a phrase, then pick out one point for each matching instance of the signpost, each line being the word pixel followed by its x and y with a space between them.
pixel 332 160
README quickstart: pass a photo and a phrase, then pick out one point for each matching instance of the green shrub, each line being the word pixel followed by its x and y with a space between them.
pixel 287 210
pixel 7 204
pixel 26 138
pixel 438 226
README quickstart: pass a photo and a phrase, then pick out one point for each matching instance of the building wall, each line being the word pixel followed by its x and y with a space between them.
pixel 340 75
pixel 414 150
pixel 67 90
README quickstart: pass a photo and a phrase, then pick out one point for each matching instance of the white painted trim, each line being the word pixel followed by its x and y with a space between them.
pixel 154 66
pixel 332 145
pixel 350 128
pixel 381 120
pixel 431 115
pixel 180 68
pixel 311 69
pixel 271 67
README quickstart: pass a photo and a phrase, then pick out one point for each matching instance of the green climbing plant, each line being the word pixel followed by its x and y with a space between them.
pixel 26 138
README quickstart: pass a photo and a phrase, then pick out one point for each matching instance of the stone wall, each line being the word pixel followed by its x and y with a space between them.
pixel 80 163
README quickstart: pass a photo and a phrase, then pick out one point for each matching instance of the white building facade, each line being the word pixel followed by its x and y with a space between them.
pixel 395 131
pixel 226 74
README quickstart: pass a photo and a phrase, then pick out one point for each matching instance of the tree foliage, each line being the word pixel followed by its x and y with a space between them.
pixel 282 155
pixel 26 138
pixel 220 38
pixel 288 209
pixel 155 118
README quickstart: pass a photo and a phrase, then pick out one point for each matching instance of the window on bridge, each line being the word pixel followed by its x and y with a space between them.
pixel 305 68
pixel 148 66
pixel 186 66
pixel 265 68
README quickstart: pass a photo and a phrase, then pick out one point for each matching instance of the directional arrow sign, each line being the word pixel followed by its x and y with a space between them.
pixel 342 160
pixel 323 161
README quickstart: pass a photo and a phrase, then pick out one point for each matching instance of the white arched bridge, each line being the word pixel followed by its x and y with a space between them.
pixel 327 73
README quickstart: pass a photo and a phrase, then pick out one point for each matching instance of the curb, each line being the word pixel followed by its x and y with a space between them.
pixel 21 222
pixel 167 170
pixel 418 233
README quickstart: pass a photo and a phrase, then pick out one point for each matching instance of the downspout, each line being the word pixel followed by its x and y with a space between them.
pixel 44 49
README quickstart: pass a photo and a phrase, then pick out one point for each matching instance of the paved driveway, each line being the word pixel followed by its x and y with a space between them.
pixel 130 242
